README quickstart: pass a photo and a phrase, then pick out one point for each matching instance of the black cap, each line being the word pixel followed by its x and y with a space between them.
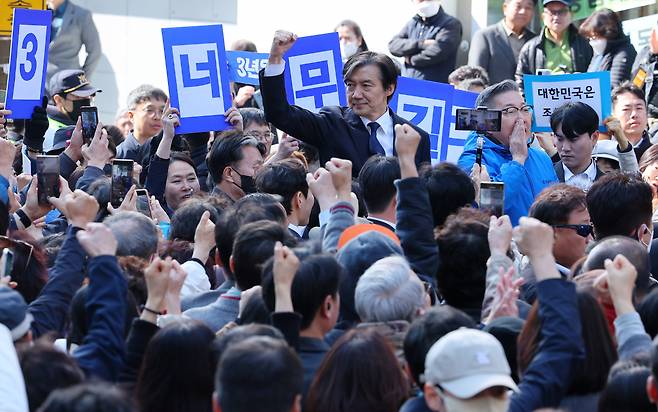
pixel 567 3
pixel 71 81
pixel 61 137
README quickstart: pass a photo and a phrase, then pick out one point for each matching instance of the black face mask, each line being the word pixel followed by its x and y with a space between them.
pixel 77 104
pixel 246 183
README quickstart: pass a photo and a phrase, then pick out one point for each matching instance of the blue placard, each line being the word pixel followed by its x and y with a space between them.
pixel 453 142
pixel 313 72
pixel 427 105
pixel 546 93
pixel 244 66
pixel 197 75
pixel 30 39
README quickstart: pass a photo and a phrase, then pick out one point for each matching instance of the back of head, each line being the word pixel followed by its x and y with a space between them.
pixel 253 245
pixel 555 203
pixel 468 72
pixel 376 181
pixel 46 369
pixel 610 247
pixel 464 250
pixel 426 330
pixel 388 291
pixel 317 277
pixel 618 204
pixel 251 115
pixel 251 208
pixel 357 256
pixel 277 385
pixel 136 234
pixel 243 332
pixel 181 355
pixel 574 119
pixel 87 398
pixel 626 389
pixel 187 217
pixel 244 45
pixel 359 373
pixel 450 189
pixel 284 178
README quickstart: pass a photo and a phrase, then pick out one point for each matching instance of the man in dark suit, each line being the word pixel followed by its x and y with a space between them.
pixel 365 128
pixel 496 48
pixel 378 191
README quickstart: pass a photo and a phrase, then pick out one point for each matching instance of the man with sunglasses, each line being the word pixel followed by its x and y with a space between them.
pixel 559 48
pixel 524 170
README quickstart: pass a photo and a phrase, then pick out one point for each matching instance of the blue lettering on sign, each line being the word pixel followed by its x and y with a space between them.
pixel 313 74
pixel 210 66
pixel 421 112
pixel 30 56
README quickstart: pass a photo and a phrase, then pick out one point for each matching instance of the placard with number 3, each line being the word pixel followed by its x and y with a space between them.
pixel 28 61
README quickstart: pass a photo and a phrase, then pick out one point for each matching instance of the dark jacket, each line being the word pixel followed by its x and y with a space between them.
pixel 336 131
pixel 559 171
pixel 51 308
pixel 101 353
pixel 618 59
pixel 434 62
pixel 311 352
pixel 561 351
pixel 533 57
pixel 645 144
pixel 156 181
pixel 138 339
pixel 647 61
pixel 490 49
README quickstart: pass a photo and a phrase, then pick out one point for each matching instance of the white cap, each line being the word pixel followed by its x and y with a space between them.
pixel 606 149
pixel 467 361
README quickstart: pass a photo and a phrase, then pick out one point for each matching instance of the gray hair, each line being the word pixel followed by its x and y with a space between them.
pixel 143 93
pixel 136 234
pixel 487 95
pixel 385 292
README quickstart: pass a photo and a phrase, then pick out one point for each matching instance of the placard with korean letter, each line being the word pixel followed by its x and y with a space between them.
pixel 28 61
pixel 546 93
pixel 244 66
pixel 313 72
pixel 197 75
pixel 427 105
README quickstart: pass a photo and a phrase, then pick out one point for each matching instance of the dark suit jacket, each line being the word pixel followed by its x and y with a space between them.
pixel 491 50
pixel 336 131
pixel 618 59
pixel 559 171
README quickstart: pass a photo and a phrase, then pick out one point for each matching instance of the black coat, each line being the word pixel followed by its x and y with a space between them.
pixel 336 131
pixel 618 58
pixel 434 62
pixel 533 57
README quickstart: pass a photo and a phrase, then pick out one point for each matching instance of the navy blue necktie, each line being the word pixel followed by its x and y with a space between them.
pixel 375 146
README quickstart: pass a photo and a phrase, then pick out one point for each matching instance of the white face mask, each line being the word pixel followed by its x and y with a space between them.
pixel 482 404
pixel 347 50
pixel 428 8
pixel 598 45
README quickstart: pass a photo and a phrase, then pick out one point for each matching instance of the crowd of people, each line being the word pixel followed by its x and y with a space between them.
pixel 318 261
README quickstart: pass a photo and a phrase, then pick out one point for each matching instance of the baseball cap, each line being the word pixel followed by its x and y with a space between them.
pixel 13 313
pixel 355 231
pixel 62 135
pixel 71 81
pixel 606 149
pixel 467 361
pixel 567 3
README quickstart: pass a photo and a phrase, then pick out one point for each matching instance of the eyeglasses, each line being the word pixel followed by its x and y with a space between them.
pixel 560 13
pixel 509 111
pixel 6 242
pixel 267 136
pixel 581 230
pixel 153 112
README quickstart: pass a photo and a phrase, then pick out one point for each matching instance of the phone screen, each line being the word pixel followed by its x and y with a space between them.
pixel 89 115
pixel 122 180
pixel 478 120
pixel 143 202
pixel 47 177
pixel 6 262
pixel 492 197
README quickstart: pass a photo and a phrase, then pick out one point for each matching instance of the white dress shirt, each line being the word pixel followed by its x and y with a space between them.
pixel 385 133
pixel 590 173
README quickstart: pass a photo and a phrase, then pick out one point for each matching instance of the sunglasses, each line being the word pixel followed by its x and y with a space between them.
pixel 581 230
pixel 14 245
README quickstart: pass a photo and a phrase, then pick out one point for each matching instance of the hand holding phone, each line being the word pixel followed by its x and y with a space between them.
pixel 479 120
pixel 143 204
pixel 122 180
pixel 89 115
pixel 47 178
pixel 492 197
